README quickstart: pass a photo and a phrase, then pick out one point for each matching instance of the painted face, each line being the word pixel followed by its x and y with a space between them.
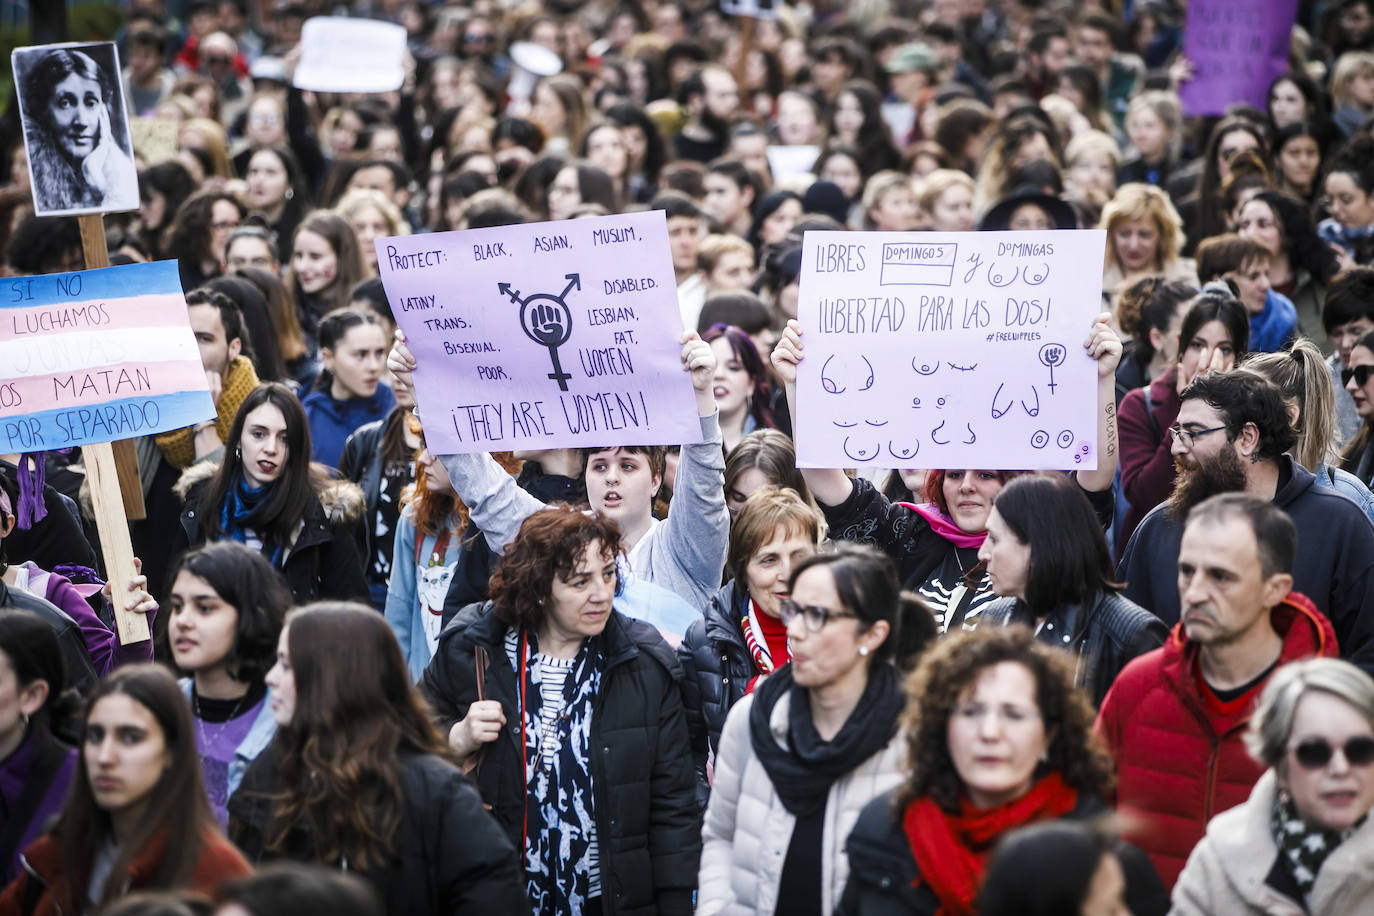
pixel 314 262
pixel 749 482
pixel 1137 244
pixel 126 753
pixel 953 210
pixel 281 681
pixel 734 272
pixel 830 656
pixel 779 223
pixel 725 200
pixel 357 361
pixel 1300 159
pixel 1148 134
pixel 262 448
pixel 581 604
pixel 768 570
pixel 1257 222
pixel 621 484
pixel 1222 589
pixel 606 151
pixel 1350 205
pixel 969 495
pixel 996 734
pixel 1334 796
pixel 1094 172
pixel 844 173
pixel 369 224
pixel 1007 557
pixel 216 352
pixel 247 251
pixel 732 384
pixel 267 180
pixel 1287 105
pixel 1363 395
pixel 74 115
pixel 895 211
pixel 203 626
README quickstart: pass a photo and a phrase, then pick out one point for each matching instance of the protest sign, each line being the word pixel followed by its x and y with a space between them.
pixel 948 350
pixel 351 55
pixel 786 161
pixel 754 9
pixel 1237 48
pixel 155 139
pixel 95 356
pixel 544 335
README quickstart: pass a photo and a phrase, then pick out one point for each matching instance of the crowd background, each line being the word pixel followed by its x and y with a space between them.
pixel 644 679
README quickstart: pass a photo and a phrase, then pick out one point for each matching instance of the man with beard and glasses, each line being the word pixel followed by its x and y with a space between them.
pixel 1232 435
pixel 1174 718
pixel 711 97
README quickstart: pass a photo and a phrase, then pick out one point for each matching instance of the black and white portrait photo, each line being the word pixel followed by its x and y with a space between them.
pixel 75 129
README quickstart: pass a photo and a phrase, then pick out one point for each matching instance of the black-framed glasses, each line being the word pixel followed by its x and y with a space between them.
pixel 1360 374
pixel 1315 753
pixel 1186 437
pixel 814 617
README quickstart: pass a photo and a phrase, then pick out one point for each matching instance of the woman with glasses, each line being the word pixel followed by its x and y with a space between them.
pixel 1303 841
pixel 815 741
pixel 996 738
pixel 1358 455
pixel 1214 335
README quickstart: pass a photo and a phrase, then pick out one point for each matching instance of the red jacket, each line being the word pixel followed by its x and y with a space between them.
pixel 1180 756
pixel 220 861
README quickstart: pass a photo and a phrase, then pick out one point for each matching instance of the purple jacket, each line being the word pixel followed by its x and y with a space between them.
pixel 102 644
pixel 16 773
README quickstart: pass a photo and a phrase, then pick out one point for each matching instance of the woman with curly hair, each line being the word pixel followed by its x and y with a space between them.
pixel 596 714
pixel 358 778
pixel 199 233
pixel 1302 264
pixel 997 737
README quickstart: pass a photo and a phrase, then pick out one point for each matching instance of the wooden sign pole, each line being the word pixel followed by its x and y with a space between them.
pixel 116 492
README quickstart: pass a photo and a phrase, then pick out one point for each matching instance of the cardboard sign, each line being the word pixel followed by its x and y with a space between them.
pixel 786 161
pixel 351 55
pixel 755 9
pixel 95 356
pixel 544 335
pixel 1238 47
pixel 76 129
pixel 948 350
pixel 155 139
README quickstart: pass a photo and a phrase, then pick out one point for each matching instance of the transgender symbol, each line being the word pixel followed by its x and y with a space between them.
pixel 547 320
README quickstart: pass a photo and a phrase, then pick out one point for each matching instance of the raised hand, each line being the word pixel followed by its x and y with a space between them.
pixel 788 353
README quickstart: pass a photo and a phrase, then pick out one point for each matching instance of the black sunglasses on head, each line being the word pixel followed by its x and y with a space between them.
pixel 1360 374
pixel 1315 753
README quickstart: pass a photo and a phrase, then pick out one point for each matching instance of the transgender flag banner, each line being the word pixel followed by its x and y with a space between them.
pixel 96 356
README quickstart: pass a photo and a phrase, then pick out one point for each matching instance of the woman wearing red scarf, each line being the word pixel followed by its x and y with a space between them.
pixel 997 738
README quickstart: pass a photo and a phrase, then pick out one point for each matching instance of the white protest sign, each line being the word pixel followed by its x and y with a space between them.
pixel 351 55
pixel 786 161
pixel 948 350
pixel 544 335
pixel 755 9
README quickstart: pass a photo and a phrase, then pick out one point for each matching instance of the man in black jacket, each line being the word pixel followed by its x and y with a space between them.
pixel 1232 434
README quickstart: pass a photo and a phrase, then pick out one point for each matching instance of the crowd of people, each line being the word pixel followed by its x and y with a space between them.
pixel 666 678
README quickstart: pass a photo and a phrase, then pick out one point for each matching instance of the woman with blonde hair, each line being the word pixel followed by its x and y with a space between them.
pixel 205 134
pixel 889 203
pixel 945 201
pixel 1352 91
pixel 1091 161
pixel 1144 236
pixel 373 216
pixel 1154 124
pixel 560 111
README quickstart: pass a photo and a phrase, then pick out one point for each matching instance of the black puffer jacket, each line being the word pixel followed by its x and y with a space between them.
pixel 1103 633
pixel 884 879
pixel 647 826
pixel 451 857
pixel 716 669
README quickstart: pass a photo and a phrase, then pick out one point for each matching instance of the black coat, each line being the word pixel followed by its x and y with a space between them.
pixel 647 826
pixel 323 561
pixel 716 668
pixel 451 857
pixel 1103 634
pixel 882 869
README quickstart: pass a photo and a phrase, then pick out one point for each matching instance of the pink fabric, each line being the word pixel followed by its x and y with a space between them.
pixel 945 527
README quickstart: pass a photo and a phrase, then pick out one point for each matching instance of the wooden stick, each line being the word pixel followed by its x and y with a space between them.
pixel 746 44
pixel 109 493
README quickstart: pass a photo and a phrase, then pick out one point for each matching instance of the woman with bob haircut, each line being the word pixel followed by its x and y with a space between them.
pixel 764 458
pixel 815 742
pixel 359 779
pixel 741 637
pixel 1048 560
pixel 595 713
pixel 269 495
pixel 997 737
pixel 136 817
pixel 1144 236
pixel 227 605
pixel 743 385
pixel 1303 840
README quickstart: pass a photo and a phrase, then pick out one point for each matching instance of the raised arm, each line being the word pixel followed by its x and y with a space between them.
pixel 1104 346
pixel 830 486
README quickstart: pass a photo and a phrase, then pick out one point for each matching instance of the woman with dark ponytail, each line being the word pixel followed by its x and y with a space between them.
pixel 349 392
pixel 36 765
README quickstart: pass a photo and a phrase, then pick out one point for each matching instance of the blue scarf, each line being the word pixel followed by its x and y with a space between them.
pixel 1330 231
pixel 238 517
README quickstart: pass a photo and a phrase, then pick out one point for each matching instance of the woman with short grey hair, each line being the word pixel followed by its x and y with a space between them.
pixel 1301 842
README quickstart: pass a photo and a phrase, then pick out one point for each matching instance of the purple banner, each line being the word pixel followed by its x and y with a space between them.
pixel 1237 48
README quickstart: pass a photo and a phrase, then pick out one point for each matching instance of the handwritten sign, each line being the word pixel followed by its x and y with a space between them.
pixel 1238 47
pixel 755 9
pixel 948 350
pixel 155 139
pixel 786 161
pixel 544 335
pixel 95 356
pixel 339 54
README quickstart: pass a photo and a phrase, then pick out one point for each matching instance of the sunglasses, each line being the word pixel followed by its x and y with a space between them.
pixel 1360 374
pixel 1315 753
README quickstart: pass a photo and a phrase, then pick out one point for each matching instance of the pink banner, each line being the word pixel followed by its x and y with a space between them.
pixel 95 386
pixel 106 315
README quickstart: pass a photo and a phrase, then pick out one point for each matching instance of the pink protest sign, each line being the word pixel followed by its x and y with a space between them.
pixel 948 350
pixel 544 335
pixel 1237 48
